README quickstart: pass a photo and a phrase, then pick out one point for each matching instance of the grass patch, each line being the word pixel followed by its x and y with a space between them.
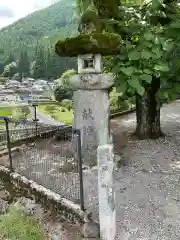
pixel 15 225
pixel 17 112
pixel 5 112
pixel 59 113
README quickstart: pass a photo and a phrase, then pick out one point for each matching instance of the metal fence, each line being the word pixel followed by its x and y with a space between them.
pixel 48 155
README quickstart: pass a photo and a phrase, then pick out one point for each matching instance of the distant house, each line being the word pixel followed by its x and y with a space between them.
pixel 30 79
pixel 12 83
pixel 7 95
pixel 24 93
pixel 36 91
pixel 41 82
pixel 27 90
pixel 27 83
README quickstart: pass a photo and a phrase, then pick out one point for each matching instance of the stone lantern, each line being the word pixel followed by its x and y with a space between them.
pixel 90 98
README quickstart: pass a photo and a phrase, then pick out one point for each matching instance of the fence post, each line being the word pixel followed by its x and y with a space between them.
pixel 6 120
pixel 35 117
pixel 77 132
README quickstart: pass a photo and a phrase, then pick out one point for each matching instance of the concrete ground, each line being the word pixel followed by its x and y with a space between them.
pixel 147 189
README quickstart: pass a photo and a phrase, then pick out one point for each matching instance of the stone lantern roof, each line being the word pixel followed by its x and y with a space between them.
pixel 95 43
pixel 93 39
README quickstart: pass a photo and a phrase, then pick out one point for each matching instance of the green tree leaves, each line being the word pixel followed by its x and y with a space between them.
pixel 162 67
pixel 146 56
pixel 127 70
pixel 146 77
pixel 122 87
pixel 66 75
pixel 23 67
pixel 39 66
pixel 45 27
pixel 135 83
pixel 134 55
pixel 148 36
pixel 63 92
pixel 10 70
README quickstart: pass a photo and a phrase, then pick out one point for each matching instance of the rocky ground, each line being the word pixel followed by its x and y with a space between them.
pixel 147 188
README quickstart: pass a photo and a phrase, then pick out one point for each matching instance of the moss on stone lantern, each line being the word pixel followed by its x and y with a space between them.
pixel 92 39
pixel 95 43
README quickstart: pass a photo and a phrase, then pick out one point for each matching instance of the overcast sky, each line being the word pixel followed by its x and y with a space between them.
pixel 12 10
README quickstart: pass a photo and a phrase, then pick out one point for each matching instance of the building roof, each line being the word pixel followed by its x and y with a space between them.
pixel 13 82
pixel 22 89
pixel 26 82
pixel 7 91
pixel 29 79
pixel 40 81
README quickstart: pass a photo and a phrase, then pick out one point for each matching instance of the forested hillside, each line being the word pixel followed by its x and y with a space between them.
pixel 41 28
pixel 46 25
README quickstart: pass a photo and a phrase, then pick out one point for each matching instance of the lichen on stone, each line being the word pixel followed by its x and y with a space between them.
pixel 96 31
pixel 95 43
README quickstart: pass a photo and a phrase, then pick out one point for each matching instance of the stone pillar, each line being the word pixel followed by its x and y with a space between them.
pixel 91 111
pixel 107 212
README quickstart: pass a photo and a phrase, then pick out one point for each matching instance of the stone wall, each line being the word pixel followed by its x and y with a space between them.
pixel 49 199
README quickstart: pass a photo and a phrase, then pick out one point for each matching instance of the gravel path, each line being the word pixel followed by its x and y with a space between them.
pixel 147 189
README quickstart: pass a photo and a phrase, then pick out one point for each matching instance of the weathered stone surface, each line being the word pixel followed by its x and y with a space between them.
pixel 95 67
pixel 44 195
pixel 91 110
pixel 106 184
pixel 91 115
pixel 92 81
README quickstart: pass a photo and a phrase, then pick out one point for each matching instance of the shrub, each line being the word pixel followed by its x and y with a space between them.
pixel 63 109
pixel 50 108
pixel 117 104
pixel 67 104
pixel 63 92
pixel 20 113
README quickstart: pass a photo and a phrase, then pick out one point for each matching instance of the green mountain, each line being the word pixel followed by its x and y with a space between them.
pixel 45 26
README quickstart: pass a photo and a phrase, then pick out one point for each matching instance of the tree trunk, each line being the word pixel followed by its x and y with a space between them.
pixel 148 113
